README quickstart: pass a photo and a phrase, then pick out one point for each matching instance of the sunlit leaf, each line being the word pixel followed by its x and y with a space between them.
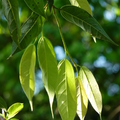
pixel 3 104
pixel 30 30
pixel 48 65
pixel 82 100
pixel 82 4
pixel 36 6
pixel 85 21
pixel 92 89
pixel 14 109
pixel 27 72
pixel 11 13
pixel 66 91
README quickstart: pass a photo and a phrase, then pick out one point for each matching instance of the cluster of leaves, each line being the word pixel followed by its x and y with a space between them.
pixel 72 93
pixel 8 114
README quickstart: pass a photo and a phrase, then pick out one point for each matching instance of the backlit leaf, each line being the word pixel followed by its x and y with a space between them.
pixel 82 4
pixel 85 21
pixel 66 91
pixel 11 13
pixel 27 72
pixel 3 104
pixel 14 109
pixel 82 100
pixel 92 89
pixel 36 6
pixel 48 65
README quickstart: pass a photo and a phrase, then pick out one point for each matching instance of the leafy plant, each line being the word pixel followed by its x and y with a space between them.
pixel 72 93
pixel 8 114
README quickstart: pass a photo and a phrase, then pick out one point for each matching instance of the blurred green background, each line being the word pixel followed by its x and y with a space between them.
pixel 102 58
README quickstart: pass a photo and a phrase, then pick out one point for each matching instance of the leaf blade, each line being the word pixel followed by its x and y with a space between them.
pixel 85 21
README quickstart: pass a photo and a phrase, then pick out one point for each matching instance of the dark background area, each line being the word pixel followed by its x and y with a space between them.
pixel 102 58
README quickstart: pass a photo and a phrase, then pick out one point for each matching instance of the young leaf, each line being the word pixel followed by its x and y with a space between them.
pixel 14 109
pixel 84 20
pixel 48 65
pixel 36 6
pixel 82 4
pixel 3 104
pixel 11 13
pixel 27 72
pixel 92 89
pixel 30 30
pixel 66 91
pixel 82 100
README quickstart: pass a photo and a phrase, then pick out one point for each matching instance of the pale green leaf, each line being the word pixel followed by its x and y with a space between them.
pixel 85 21
pixel 27 72
pixel 92 89
pixel 14 109
pixel 11 13
pixel 3 104
pixel 36 6
pixel 48 64
pixel 82 4
pixel 82 99
pixel 66 91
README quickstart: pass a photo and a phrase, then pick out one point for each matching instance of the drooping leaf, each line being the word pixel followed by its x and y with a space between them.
pixel 85 21
pixel 82 100
pixel 30 30
pixel 3 104
pixel 36 6
pixel 11 13
pixel 50 3
pixel 92 89
pixel 27 72
pixel 14 109
pixel 66 91
pixel 48 65
pixel 82 4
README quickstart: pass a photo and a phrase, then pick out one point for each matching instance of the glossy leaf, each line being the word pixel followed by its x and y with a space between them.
pixel 36 6
pixel 82 100
pixel 30 30
pixel 14 109
pixel 11 13
pixel 27 72
pixel 3 104
pixel 85 21
pixel 92 89
pixel 66 91
pixel 50 3
pixel 82 4
pixel 48 65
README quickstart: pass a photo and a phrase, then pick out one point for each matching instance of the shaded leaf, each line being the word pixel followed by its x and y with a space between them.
pixel 92 89
pixel 85 21
pixel 27 72
pixel 36 6
pixel 50 3
pixel 14 109
pixel 48 65
pixel 82 100
pixel 66 91
pixel 82 4
pixel 3 104
pixel 11 13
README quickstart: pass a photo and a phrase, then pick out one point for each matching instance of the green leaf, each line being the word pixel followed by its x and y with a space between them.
pixel 36 6
pixel 66 91
pixel 14 119
pixel 50 3
pixel 85 21
pixel 11 13
pixel 48 65
pixel 14 109
pixel 82 4
pixel 27 72
pixel 92 89
pixel 2 117
pixel 3 104
pixel 82 100
pixel 30 30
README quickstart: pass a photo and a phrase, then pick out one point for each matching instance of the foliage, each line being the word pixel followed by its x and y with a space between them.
pixel 60 81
